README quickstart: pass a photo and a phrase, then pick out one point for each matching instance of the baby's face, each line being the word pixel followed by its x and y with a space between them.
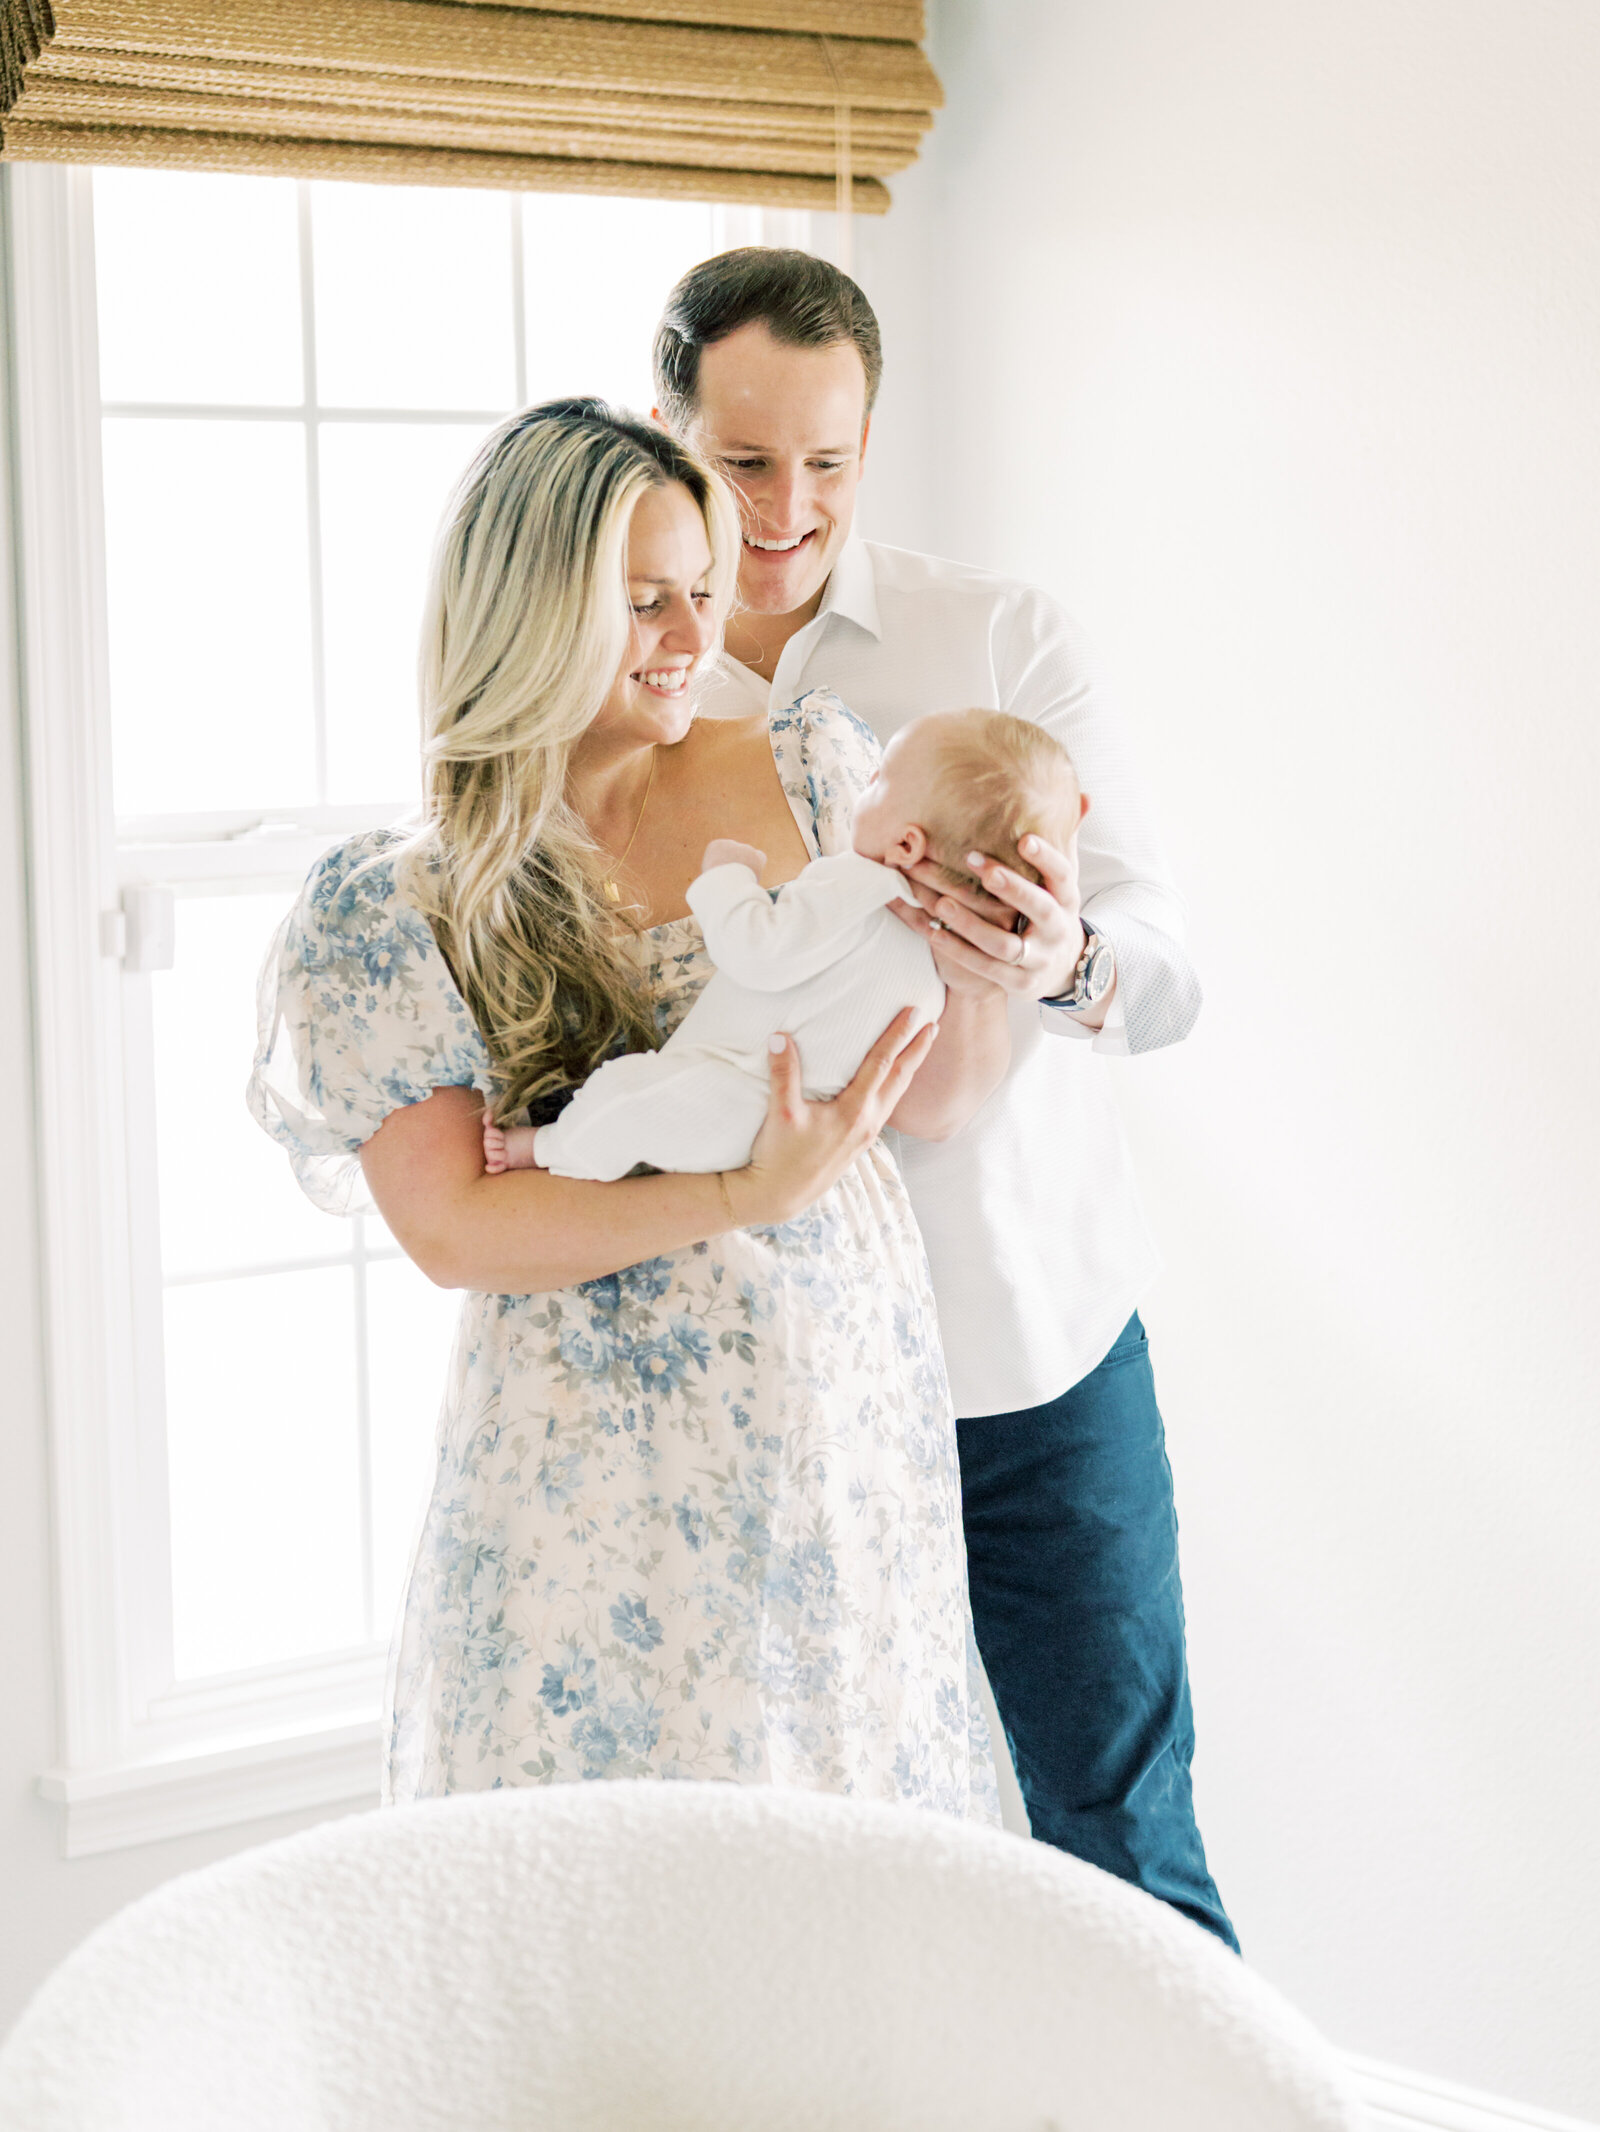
pixel 889 813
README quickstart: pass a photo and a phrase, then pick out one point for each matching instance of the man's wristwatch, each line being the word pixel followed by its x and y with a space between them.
pixel 1094 976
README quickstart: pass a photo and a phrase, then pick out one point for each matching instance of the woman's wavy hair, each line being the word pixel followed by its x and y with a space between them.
pixel 526 627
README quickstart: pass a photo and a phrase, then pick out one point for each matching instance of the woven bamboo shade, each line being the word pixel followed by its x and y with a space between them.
pixel 791 103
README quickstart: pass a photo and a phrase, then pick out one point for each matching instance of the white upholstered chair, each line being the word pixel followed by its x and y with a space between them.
pixel 658 1957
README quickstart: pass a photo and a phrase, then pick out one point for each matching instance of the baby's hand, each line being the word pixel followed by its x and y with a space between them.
pixel 507 1147
pixel 727 851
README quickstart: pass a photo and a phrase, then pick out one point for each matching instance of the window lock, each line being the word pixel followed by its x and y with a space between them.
pixel 141 933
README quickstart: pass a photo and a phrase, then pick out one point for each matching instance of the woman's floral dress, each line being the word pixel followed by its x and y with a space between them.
pixel 700 1518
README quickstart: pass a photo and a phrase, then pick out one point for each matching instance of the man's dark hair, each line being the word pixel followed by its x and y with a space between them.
pixel 800 299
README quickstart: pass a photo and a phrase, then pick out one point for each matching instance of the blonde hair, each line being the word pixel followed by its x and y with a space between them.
pixel 526 625
pixel 993 780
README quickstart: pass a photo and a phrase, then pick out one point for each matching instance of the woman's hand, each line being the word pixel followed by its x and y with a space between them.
pixel 803 1148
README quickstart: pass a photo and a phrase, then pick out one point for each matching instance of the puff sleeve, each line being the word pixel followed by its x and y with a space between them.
pixel 357 1016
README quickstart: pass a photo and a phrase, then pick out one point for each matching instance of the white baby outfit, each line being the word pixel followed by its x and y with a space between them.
pixel 822 958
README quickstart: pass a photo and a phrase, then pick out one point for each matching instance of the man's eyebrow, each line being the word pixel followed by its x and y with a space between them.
pixel 815 451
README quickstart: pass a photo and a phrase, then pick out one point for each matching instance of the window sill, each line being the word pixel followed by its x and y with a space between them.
pixel 247 1780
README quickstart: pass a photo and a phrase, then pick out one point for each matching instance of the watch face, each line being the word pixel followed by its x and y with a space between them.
pixel 1098 971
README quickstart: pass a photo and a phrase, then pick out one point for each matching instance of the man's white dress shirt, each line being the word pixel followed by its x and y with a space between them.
pixel 1035 1235
pixel 820 957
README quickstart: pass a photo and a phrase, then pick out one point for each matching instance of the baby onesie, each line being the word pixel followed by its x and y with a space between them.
pixel 821 958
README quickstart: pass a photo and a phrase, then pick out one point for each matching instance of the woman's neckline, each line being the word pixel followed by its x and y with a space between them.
pixel 804 821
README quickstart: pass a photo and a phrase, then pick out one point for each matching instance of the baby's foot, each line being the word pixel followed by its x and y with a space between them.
pixel 508 1147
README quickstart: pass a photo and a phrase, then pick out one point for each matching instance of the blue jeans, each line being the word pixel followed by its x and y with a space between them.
pixel 1072 1553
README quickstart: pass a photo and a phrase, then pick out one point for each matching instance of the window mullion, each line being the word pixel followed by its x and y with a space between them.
pixel 308 362
pixel 226 411
pixel 280 863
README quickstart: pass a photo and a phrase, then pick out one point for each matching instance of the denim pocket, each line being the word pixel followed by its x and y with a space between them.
pixel 1129 1344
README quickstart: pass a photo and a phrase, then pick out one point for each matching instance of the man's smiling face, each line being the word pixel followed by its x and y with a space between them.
pixel 788 427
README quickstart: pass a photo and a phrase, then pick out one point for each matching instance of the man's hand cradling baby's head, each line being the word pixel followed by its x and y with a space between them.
pixel 980 812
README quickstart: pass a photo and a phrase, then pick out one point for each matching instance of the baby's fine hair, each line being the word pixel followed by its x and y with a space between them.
pixel 998 779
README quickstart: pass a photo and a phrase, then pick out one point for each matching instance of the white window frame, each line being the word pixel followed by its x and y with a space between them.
pixel 135 1763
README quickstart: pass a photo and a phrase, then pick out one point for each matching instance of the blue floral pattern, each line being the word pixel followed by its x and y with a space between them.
pixel 700 1518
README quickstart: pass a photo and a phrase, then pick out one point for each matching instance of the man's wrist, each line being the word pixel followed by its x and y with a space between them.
pixel 1093 978
pixel 1063 976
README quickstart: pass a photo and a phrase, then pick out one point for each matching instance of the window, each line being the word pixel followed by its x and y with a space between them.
pixel 243 403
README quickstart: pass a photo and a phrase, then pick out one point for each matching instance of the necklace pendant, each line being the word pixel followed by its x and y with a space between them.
pixel 613 894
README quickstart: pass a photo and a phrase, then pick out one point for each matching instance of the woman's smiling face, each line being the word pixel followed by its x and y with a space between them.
pixel 669 589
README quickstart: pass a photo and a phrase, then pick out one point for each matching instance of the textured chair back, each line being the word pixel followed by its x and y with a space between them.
pixel 656 1957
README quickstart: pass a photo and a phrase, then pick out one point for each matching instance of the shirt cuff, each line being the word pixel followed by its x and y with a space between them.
pixel 719 890
pixel 1112 1035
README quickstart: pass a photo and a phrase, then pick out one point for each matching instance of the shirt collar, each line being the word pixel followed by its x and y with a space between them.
pixel 853 589
pixel 851 593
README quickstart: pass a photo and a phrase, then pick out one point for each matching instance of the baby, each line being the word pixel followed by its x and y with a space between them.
pixel 821 958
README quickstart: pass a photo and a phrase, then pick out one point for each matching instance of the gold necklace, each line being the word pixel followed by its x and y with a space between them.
pixel 613 893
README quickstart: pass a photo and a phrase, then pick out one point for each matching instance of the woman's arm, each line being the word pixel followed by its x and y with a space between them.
pixel 966 1065
pixel 525 1232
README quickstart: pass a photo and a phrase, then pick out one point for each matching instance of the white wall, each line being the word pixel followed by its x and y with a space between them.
pixel 1268 337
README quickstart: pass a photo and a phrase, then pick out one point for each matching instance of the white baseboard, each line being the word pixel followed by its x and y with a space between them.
pixel 1399 2101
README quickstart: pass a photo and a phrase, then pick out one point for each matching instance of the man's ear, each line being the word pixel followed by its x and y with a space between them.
pixel 866 431
pixel 1083 805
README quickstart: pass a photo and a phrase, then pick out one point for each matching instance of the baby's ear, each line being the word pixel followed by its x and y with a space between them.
pixel 910 847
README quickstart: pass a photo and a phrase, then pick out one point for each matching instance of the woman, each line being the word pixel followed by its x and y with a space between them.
pixel 696 1507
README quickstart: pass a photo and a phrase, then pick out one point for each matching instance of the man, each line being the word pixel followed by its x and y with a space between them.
pixel 770 361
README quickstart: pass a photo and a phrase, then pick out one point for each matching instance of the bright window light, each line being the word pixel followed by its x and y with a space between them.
pixel 596 273
pixel 264 1459
pixel 384 486
pixel 198 288
pixel 414 297
pixel 209 615
pixel 221 1180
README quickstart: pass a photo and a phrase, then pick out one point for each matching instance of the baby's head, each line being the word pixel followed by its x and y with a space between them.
pixel 958 781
